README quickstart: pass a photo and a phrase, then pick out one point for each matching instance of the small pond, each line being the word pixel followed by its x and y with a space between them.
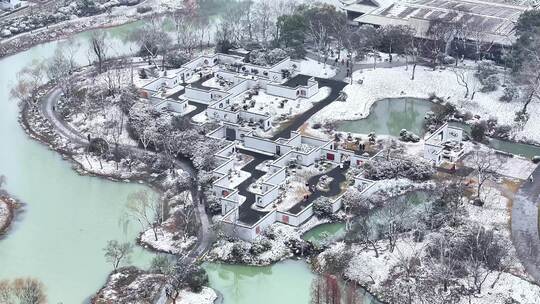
pixel 324 232
pixel 287 282
pixel 390 116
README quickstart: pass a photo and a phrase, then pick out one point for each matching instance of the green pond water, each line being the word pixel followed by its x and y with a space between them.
pixel 325 231
pixel 331 231
pixel 287 282
pixel 524 150
pixel 67 219
pixel 390 116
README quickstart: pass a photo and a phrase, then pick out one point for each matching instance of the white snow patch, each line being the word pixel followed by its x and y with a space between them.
pixel 314 68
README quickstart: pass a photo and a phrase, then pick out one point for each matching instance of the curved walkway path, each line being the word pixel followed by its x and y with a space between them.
pixel 525 225
pixel 204 240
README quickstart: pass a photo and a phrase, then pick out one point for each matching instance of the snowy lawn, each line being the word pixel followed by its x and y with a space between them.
pixel 104 125
pixel 312 67
pixel 270 104
pixel 512 167
pixel 396 82
pixel 213 83
pixel 206 296
pixel 200 118
pixel 95 165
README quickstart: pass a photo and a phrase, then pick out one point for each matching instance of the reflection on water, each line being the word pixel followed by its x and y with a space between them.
pixel 325 231
pixel 390 116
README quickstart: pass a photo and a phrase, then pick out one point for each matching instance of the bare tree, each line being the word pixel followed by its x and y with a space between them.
pixel 264 20
pixel 413 51
pixel 59 70
pixel 186 23
pixel 466 79
pixel 152 40
pixel 443 261
pixel 98 49
pixel 117 253
pixel 29 79
pixel 440 34
pixel 485 164
pixel 325 290
pixel 529 75
pixel 362 231
pixel 147 210
pixel 29 291
pixel 395 38
pixel 22 291
pixel 484 254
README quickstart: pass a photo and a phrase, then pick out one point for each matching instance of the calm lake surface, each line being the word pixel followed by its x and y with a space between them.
pixel 390 116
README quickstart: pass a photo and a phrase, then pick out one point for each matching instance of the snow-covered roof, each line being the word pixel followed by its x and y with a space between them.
pixel 497 20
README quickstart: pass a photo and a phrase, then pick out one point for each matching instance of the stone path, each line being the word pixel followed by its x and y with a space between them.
pixel 525 225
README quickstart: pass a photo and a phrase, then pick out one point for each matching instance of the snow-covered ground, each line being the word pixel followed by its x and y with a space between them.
pixel 206 296
pixel 372 271
pixel 4 214
pixel 166 241
pixel 92 164
pixel 514 167
pixel 312 67
pixel 396 82
pixel 223 249
pixel 213 83
pixel 170 238
pixel 105 124
pixel 269 104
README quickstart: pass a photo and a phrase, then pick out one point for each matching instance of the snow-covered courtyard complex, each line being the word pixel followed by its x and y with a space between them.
pixel 257 179
pixel 227 87
pixel 270 151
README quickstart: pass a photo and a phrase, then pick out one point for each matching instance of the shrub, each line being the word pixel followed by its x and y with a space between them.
pixel 490 84
pixel 478 131
pixel 263 57
pixel 412 168
pixel 510 93
pixel 197 279
pixel 177 59
pixel 322 207
pixel 502 131
pixel 143 9
pixel 484 71
pixel 260 246
pixel 237 252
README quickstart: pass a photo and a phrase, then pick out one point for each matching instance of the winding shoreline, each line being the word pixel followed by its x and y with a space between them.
pixel 68 28
pixel 10 205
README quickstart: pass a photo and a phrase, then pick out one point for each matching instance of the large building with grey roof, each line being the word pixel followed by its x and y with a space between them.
pixel 496 20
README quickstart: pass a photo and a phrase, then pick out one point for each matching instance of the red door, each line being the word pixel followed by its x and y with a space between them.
pixel 285 219
pixel 330 156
